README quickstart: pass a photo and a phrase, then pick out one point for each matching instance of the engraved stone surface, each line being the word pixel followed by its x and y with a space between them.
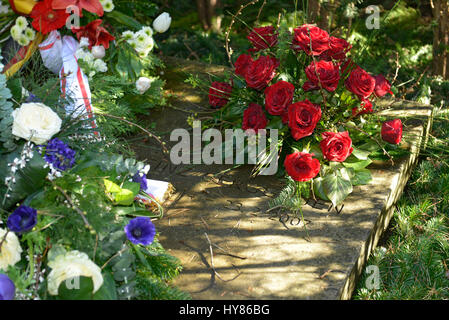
pixel 217 222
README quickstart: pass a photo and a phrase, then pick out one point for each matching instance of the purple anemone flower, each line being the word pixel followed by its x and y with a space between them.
pixel 59 154
pixel 7 288
pixel 140 230
pixel 23 219
pixel 142 180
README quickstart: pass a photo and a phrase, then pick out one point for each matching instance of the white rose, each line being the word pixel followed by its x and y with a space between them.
pixel 143 84
pixel 72 264
pixel 10 251
pixel 35 122
pixel 162 23
pixel 98 52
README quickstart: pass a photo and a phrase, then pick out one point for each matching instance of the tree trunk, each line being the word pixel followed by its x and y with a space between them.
pixel 206 12
pixel 440 11
pixel 313 11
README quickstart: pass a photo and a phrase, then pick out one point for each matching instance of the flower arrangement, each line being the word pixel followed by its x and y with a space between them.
pixel 305 83
pixel 76 217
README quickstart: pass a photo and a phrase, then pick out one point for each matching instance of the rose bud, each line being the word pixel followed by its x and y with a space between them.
pixel 219 93
pixel 303 117
pixel 361 83
pixel 382 86
pixel 242 63
pixel 98 52
pixel 310 39
pixel 260 72
pixel 263 38
pixel 143 84
pixel 162 22
pixel 392 131
pixel 322 71
pixel 278 97
pixel 336 146
pixel 301 166
pixel 254 118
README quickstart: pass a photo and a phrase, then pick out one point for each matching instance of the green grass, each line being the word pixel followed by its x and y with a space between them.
pixel 413 262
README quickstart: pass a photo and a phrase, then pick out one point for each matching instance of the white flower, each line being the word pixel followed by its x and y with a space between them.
pixel 128 35
pixel 88 57
pixel 84 42
pixel 148 31
pixel 4 8
pixel 23 41
pixel 16 32
pixel 35 122
pixel 10 251
pixel 100 65
pixel 108 5
pixel 143 84
pixel 22 23
pixel 162 23
pixel 72 264
pixel 98 52
pixel 80 53
pixel 30 33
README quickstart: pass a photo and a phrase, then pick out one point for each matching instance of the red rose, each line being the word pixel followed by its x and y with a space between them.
pixel 392 131
pixel 367 107
pixel 278 97
pixel 263 38
pixel 97 35
pixel 322 71
pixel 302 118
pixel 382 86
pixel 301 166
pixel 242 63
pixel 219 93
pixel 310 39
pixel 254 117
pixel 336 146
pixel 337 49
pixel 361 83
pixel 46 19
pixel 260 72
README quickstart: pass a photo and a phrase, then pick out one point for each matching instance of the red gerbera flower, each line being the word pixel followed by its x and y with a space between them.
pixel 93 6
pixel 97 35
pixel 46 19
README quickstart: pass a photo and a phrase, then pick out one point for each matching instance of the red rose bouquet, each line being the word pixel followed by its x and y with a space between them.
pixel 305 84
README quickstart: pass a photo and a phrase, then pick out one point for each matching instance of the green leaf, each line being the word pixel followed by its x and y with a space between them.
pixel 124 19
pixel 354 163
pixel 336 188
pixel 77 288
pixel 360 154
pixel 318 188
pixel 111 187
pixel 361 177
pixel 108 290
pixel 15 85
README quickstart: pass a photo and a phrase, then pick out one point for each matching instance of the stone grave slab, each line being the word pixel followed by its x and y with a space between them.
pixel 217 222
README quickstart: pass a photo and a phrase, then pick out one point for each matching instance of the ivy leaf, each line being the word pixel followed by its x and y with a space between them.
pixel 336 188
pixel 361 177
pixel 360 154
pixel 356 164
pixel 318 188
